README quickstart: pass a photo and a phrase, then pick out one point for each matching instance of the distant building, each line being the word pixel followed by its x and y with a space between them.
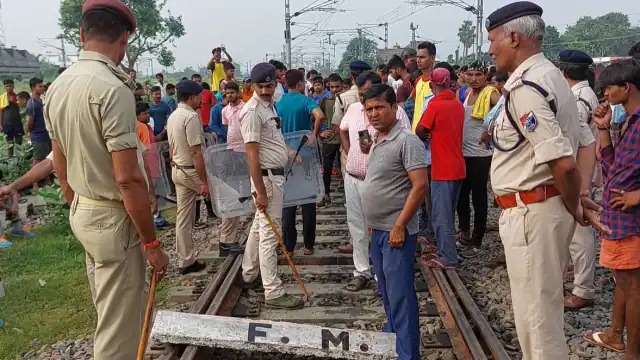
pixel 384 55
pixel 18 62
pixel 56 59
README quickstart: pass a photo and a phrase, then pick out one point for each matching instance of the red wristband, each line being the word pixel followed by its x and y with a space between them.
pixel 152 245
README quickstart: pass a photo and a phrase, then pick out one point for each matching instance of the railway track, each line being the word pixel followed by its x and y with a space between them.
pixel 451 323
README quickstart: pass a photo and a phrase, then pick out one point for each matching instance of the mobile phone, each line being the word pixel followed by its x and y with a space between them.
pixel 364 136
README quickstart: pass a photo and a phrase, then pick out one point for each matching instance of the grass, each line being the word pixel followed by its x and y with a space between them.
pixel 62 308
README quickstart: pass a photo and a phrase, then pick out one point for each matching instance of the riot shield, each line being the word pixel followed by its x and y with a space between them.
pixel 230 184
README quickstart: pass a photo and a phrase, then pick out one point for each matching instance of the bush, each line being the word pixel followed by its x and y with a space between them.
pixel 57 207
pixel 16 166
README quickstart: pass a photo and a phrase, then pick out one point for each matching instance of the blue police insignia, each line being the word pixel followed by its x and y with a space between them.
pixel 529 121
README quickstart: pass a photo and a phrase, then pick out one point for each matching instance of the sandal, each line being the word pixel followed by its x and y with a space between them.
pixel 438 264
pixel 429 249
pixel 345 249
pixel 358 283
pixel 427 257
pixel 307 251
pixel 595 338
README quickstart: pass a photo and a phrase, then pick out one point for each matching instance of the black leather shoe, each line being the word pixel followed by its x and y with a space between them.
pixel 195 267
pixel 231 249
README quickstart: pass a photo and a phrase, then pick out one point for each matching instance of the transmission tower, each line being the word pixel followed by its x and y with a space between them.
pixel 474 9
pixel 2 39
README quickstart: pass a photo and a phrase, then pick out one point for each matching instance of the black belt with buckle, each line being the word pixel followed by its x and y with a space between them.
pixel 180 167
pixel 275 172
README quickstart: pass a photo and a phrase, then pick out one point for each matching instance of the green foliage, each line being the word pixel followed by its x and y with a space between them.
pixel 370 50
pixel 154 31
pixel 466 34
pixel 608 35
pixel 57 207
pixel 166 57
pixel 16 166
pixel 552 42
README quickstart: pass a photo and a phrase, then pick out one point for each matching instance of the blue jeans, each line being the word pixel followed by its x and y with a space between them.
pixel 394 271
pixel 444 199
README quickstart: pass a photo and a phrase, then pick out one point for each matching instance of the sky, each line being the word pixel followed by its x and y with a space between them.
pixel 251 29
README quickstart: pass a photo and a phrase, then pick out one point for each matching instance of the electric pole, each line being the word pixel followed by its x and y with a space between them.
pixel 287 30
pixel 413 35
pixel 466 7
pixel 361 46
pixel 479 26
pixel 325 6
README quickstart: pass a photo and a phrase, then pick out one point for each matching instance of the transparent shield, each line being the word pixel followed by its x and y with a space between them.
pixel 160 168
pixel 230 184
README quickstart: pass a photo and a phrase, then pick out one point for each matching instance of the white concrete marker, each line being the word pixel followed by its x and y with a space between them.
pixel 268 336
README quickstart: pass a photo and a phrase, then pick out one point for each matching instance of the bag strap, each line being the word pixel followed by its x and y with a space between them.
pixel 586 103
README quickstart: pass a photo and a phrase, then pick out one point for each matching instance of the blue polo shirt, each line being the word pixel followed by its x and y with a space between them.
pixel 295 111
pixel 160 113
pixel 39 132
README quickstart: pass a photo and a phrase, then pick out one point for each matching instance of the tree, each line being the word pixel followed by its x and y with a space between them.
pixel 552 42
pixel 154 30
pixel 370 50
pixel 466 34
pixel 607 35
pixel 451 59
pixel 166 58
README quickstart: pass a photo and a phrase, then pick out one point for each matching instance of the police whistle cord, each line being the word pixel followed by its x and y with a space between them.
pixel 144 337
pixel 303 141
pixel 286 253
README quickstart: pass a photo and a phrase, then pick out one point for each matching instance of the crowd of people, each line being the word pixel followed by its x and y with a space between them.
pixel 417 142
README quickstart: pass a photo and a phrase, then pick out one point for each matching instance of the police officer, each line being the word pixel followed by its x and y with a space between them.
pixel 574 65
pixel 535 177
pixel 184 130
pixel 267 155
pixel 90 116
pixel 343 101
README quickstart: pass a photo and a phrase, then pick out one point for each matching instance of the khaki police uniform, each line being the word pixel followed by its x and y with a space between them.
pixel 536 236
pixel 90 113
pixel 258 119
pixel 343 101
pixel 583 245
pixel 184 130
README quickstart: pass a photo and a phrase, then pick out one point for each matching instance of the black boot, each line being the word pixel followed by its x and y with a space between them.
pixel 231 249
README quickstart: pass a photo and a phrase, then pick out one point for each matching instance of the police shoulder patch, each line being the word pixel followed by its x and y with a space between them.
pixel 529 121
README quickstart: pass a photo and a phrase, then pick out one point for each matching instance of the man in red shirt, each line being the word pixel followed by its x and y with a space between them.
pixel 398 71
pixel 208 100
pixel 443 122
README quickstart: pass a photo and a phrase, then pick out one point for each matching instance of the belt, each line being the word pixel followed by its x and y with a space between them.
pixel 180 167
pixel 102 203
pixel 539 194
pixel 361 178
pixel 274 172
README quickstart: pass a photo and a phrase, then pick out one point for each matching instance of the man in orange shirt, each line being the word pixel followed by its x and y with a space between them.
pixel 247 90
pixel 146 137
